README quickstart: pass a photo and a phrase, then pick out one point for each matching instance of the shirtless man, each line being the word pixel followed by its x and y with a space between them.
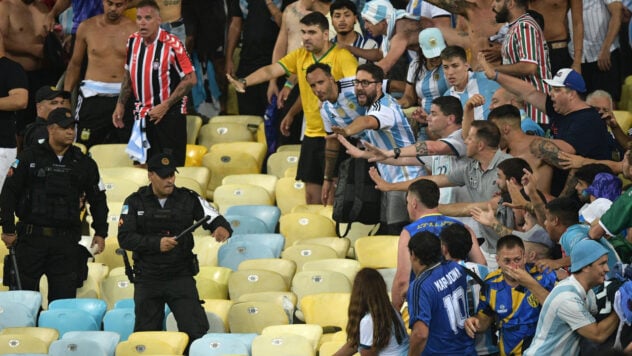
pixel 556 31
pixel 171 14
pixel 103 39
pixel 22 28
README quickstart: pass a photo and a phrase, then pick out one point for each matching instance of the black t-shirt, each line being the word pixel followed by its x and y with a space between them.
pixel 12 76
pixel 583 129
pixel 259 33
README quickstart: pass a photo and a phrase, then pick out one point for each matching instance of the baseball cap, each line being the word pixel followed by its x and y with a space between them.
pixel 567 77
pixel 431 42
pixel 536 235
pixel 49 93
pixel 377 10
pixel 605 185
pixel 162 164
pixel 584 253
pixel 62 117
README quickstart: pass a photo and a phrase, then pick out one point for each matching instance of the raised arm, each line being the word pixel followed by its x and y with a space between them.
pixel 78 54
pixel 577 15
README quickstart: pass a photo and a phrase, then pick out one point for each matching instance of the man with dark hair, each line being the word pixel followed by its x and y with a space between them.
pixel 317 48
pixel 436 301
pixel 562 224
pixel 455 246
pixel 384 125
pixel 159 74
pixel 344 15
pixel 47 99
pixel 422 205
pixel 512 294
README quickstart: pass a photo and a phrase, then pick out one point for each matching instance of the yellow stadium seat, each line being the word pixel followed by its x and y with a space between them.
pixel 261 135
pixel 624 119
pixel 82 147
pixel 314 282
pixel 200 174
pixel 222 162
pixel 301 226
pixel 326 309
pixel 212 282
pixel 265 181
pixel 153 343
pixel 45 335
pixel 253 280
pixel 114 215
pixel 206 249
pixel 280 298
pixel 346 266
pixel 310 332
pixel 340 245
pixel 278 162
pixel 303 253
pixel 220 132
pixel 356 231
pixel 293 148
pixel 256 149
pixel 252 121
pixel 135 174
pixel 282 344
pixel 285 268
pixel 118 188
pixel 194 155
pixel 378 251
pixel 291 172
pixel 110 155
pixel 219 307
pixel 192 184
pixel 194 123
pixel 253 317
pixel 109 256
pixel 22 344
pixel 289 193
pixel 115 288
pixel 229 195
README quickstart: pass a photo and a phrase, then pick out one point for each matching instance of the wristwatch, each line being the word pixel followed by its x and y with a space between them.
pixel 397 151
pixel 243 81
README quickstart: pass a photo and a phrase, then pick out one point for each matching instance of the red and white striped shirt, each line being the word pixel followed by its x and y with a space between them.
pixel 156 69
pixel 525 42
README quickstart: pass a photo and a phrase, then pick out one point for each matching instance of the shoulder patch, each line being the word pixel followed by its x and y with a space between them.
pixel 15 163
pixel 124 209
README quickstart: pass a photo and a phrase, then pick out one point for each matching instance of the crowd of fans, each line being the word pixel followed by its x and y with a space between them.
pixel 496 117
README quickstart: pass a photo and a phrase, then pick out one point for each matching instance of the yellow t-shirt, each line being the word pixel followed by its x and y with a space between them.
pixel 343 65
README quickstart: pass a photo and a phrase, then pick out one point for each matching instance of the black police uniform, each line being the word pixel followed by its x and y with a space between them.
pixel 165 277
pixel 45 193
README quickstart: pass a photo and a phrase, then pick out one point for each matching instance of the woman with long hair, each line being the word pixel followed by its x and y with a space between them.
pixel 374 326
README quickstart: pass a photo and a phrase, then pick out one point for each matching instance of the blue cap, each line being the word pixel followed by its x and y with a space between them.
pixel 566 77
pixel 431 42
pixel 605 185
pixel 586 252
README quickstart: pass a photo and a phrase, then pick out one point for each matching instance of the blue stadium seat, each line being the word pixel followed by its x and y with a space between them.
pixel 275 242
pixel 95 307
pixel 85 343
pixel 212 342
pixel 65 320
pixel 269 214
pixel 19 308
pixel 231 254
pixel 120 321
pixel 243 224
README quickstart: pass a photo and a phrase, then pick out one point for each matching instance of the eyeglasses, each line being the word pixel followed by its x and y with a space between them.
pixel 363 83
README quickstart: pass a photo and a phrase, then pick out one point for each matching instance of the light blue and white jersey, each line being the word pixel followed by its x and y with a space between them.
pixel 428 84
pixel 476 84
pixel 393 131
pixel 567 308
pixel 529 126
pixel 344 110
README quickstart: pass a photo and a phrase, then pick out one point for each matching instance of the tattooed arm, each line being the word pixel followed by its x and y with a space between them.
pixel 547 151
pixel 119 110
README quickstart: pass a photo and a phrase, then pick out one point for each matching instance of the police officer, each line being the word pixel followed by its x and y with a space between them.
pixel 164 266
pixel 43 189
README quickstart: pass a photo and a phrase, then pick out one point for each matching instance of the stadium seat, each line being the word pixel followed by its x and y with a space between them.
pixel 326 309
pixel 244 224
pixel 212 282
pixel 206 249
pixel 329 348
pixel 95 307
pixel 251 281
pixel 340 245
pixel 314 282
pixel 194 123
pixel 356 231
pixel 213 344
pixel 346 266
pixel 229 195
pixel 65 320
pixel 85 343
pixel 109 256
pixel 118 188
pixel 303 253
pixel 301 226
pixel 19 308
pixel 257 150
pixel 115 288
pixel 200 174
pixel 120 321
pixel 222 132
pixel 253 317
pixel 265 181
pixel 389 275
pixel 232 253
pixel 379 251
pixel 285 268
pixel 290 172
pixel 14 344
pixel 278 162
pixel 311 333
pixel 191 184
pixel 223 161
pixel 269 214
pixel 134 174
pixel 252 121
pixel 153 342
pixel 282 344
pixel 275 242
pixel 286 300
pixel 194 154
pixel 219 307
pixel 215 323
pixel 289 194
pixel 113 217
pixel 81 146
pixel 293 148
pixel 110 155
pixel 45 335
pixel 624 119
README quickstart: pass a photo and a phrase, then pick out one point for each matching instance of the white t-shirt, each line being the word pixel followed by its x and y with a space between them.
pixel 366 339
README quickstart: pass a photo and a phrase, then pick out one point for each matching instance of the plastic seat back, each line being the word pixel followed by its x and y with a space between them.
pixel 194 155
pixel 303 253
pixel 244 339
pixel 86 343
pixel 265 181
pixel 226 196
pixel 326 309
pixel 339 244
pixel 379 251
pixel 279 161
pixel 19 308
pixel 280 344
pixel 250 281
pixel 65 320
pixel 116 288
pixel 242 224
pixel 154 342
pixel 120 321
pixel 253 317
pixel 194 123
pixel 95 307
pixel 345 266
pixel 275 242
pixel 269 214
pixel 110 155
pixel 301 226
pixel 218 346
pixel 310 332
pixel 11 344
pixel 289 194
pixel 231 254
pixel 285 268
pixel 314 282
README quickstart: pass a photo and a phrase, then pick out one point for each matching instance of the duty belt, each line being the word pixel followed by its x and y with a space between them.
pixel 45 231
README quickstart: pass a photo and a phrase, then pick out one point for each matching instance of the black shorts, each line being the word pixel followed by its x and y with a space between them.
pixel 311 162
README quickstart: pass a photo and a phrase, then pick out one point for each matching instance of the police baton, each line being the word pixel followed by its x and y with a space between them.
pixel 129 272
pixel 14 268
pixel 193 227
